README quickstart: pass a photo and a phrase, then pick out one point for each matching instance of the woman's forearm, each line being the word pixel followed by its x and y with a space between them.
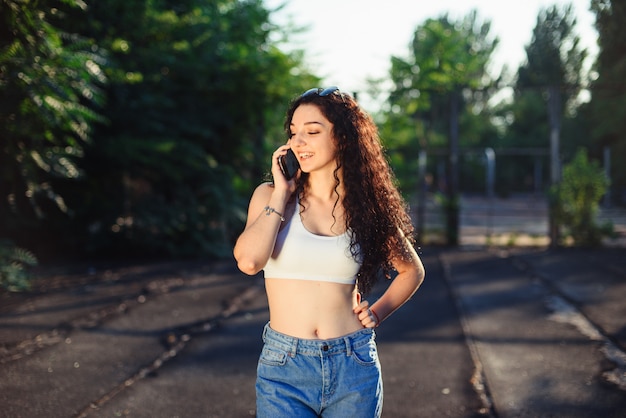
pixel 401 289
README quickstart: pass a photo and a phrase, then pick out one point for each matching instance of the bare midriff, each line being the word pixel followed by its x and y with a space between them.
pixel 312 309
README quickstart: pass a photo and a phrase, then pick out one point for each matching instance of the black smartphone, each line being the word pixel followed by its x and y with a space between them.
pixel 288 164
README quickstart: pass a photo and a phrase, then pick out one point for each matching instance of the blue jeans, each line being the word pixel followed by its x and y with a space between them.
pixel 340 377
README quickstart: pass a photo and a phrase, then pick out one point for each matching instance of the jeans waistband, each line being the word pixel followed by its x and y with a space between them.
pixel 293 345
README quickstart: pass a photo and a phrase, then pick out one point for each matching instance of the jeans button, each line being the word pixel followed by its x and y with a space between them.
pixel 325 347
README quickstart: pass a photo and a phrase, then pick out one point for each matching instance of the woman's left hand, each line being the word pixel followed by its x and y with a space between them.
pixel 365 315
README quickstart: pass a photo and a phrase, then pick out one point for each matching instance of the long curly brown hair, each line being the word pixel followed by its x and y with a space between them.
pixel 375 212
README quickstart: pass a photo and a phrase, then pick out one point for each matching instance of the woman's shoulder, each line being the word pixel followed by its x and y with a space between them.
pixel 263 192
pixel 264 188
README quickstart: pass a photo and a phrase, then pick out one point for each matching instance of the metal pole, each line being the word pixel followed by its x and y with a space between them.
pixel 490 155
pixel 554 115
pixel 607 173
pixel 491 171
pixel 453 200
pixel 538 176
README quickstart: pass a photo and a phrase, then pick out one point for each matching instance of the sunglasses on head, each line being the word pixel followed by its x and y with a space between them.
pixel 320 91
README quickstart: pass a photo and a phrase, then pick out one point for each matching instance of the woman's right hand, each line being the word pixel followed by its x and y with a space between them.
pixel 280 182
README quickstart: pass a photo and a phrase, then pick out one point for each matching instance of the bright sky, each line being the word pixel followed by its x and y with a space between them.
pixel 349 41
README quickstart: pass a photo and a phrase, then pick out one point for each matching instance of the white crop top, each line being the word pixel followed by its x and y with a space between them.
pixel 300 254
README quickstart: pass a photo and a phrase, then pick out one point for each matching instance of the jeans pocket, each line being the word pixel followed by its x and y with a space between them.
pixel 366 354
pixel 273 356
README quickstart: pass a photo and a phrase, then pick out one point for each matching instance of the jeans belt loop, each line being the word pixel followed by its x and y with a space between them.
pixel 265 333
pixel 293 350
pixel 348 346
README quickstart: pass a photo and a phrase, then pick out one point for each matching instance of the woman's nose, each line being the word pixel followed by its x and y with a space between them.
pixel 297 139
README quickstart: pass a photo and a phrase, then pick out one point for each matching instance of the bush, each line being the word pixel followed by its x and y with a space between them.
pixel 575 201
pixel 13 267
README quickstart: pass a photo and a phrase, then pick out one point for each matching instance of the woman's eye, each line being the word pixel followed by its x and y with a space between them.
pixel 313 133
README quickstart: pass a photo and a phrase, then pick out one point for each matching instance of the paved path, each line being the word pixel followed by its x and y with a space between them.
pixel 528 333
pixel 547 329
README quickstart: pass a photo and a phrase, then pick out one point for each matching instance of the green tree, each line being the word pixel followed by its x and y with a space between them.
pixel 546 90
pixel 49 86
pixel 608 102
pixel 554 56
pixel 551 78
pixel 440 89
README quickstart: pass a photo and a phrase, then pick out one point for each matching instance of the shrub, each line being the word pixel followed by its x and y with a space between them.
pixel 575 201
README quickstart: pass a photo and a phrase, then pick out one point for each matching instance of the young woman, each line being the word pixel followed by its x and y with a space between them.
pixel 323 238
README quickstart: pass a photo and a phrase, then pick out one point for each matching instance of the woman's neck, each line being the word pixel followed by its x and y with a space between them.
pixel 324 187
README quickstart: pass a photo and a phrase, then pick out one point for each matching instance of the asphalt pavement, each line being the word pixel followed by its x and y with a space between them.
pixel 524 332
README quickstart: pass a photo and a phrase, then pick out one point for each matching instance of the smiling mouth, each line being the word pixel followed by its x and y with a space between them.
pixel 305 155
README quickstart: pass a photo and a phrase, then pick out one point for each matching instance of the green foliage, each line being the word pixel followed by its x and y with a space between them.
pixel 49 87
pixel 608 102
pixel 575 200
pixel 193 96
pixel 190 97
pixel 14 263
pixel 554 56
